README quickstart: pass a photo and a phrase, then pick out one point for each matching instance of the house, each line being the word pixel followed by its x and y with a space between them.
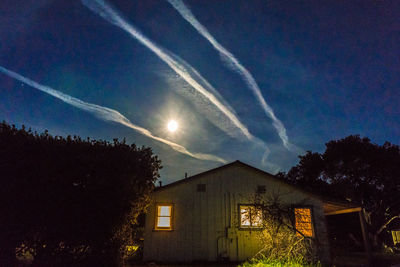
pixel 202 218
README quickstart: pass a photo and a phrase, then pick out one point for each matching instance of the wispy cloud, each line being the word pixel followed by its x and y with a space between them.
pixel 235 65
pixel 183 69
pixel 107 114
pixel 201 104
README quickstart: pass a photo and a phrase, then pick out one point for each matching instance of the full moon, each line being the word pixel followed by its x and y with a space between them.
pixel 172 126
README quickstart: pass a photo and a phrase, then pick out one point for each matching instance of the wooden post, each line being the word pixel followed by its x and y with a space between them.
pixel 367 245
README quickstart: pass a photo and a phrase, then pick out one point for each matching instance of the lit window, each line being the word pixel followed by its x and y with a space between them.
pixel 303 222
pixel 396 236
pixel 164 217
pixel 250 216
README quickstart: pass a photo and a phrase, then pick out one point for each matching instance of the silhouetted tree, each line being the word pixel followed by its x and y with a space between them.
pixel 69 201
pixel 355 169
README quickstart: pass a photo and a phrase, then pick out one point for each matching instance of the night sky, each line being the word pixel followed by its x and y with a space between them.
pixel 326 69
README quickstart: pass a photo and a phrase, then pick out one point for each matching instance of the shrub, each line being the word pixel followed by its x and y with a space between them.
pixel 283 244
pixel 70 201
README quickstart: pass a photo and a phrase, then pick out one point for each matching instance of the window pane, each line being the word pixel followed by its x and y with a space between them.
pixel 303 221
pixel 256 219
pixel 245 216
pixel 164 210
pixel 250 216
pixel 164 222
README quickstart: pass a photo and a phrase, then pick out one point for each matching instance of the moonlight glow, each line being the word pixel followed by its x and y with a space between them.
pixel 172 126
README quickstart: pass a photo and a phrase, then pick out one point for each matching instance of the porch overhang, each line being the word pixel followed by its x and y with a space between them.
pixel 333 208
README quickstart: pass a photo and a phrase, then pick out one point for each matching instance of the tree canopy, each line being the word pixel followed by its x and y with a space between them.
pixel 355 169
pixel 69 201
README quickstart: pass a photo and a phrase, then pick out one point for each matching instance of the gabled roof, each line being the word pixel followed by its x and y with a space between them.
pixel 236 163
pixel 194 177
pixel 324 199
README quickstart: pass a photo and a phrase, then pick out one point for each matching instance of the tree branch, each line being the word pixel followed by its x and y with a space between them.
pixel 387 223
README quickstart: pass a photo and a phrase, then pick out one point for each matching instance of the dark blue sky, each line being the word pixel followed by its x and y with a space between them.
pixel 327 69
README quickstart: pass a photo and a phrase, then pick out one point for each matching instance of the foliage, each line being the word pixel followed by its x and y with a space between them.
pixel 355 169
pixel 282 243
pixel 293 262
pixel 69 201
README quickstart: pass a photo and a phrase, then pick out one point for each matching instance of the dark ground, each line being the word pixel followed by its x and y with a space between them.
pixel 350 260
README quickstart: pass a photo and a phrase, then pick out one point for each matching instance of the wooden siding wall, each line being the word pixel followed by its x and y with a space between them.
pixel 205 224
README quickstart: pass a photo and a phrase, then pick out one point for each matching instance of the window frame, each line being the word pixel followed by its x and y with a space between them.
pixel 312 220
pixel 251 226
pixel 163 204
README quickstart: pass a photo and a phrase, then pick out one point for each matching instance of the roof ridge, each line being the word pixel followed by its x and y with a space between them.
pixel 312 194
pixel 196 175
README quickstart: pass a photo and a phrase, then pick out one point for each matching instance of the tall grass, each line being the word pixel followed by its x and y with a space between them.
pixel 293 262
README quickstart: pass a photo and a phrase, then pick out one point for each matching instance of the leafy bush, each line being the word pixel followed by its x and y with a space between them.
pixel 293 262
pixel 283 244
pixel 68 201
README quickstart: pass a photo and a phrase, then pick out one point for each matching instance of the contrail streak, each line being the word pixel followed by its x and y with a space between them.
pixel 183 69
pixel 235 65
pixel 106 114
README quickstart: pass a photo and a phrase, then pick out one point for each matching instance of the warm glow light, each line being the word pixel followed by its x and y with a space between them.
pixel 163 217
pixel 250 216
pixel 303 221
pixel 245 216
pixel 172 126
pixel 164 222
